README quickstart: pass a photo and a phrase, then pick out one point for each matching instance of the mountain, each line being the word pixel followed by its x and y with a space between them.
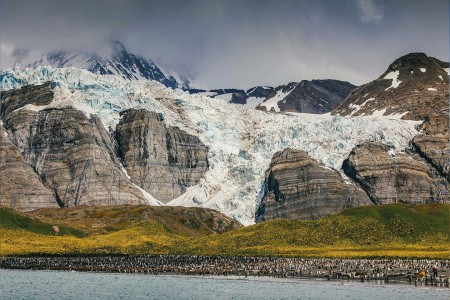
pixel 414 87
pixel 316 96
pixel 121 62
pixel 80 135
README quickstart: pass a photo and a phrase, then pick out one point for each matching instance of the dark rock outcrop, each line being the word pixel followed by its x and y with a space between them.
pixel 20 186
pixel 390 177
pixel 298 187
pixel 260 91
pixel 161 159
pixel 434 149
pixel 37 95
pixel 315 97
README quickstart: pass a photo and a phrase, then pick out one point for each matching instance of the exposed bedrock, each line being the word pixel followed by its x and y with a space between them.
pixel 73 155
pixel 393 177
pixel 298 187
pixel 20 186
pixel 161 159
pixel 37 95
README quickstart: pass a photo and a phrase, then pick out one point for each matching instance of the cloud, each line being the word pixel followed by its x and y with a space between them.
pixel 7 58
pixel 369 11
pixel 233 43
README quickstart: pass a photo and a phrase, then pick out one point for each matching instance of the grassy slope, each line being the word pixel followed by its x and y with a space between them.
pixel 189 222
pixel 375 231
pixel 10 219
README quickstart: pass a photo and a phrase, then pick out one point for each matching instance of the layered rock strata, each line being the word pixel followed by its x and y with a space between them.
pixel 20 186
pixel 37 95
pixel 161 159
pixel 393 177
pixel 298 187
pixel 71 154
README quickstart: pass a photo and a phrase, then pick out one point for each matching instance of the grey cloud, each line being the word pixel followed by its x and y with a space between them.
pixel 231 43
pixel 370 10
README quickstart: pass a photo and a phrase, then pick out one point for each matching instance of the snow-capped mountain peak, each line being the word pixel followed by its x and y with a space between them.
pixel 120 62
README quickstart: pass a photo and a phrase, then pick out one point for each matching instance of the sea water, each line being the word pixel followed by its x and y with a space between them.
pixel 29 284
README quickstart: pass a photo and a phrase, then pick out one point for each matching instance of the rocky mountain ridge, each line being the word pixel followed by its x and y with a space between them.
pixel 315 96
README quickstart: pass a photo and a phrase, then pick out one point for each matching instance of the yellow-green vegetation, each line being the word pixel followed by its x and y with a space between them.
pixel 406 231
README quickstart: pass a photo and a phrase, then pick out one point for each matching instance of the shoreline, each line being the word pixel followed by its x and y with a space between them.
pixel 318 280
pixel 420 272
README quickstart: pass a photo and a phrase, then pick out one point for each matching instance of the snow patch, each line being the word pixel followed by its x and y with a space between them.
pixel 423 70
pixel 151 200
pixel 379 113
pixel 440 76
pixel 226 97
pixel 397 115
pixel 208 94
pixel 432 89
pixel 273 102
pixel 125 171
pixel 359 107
pixel 32 107
pixel 395 82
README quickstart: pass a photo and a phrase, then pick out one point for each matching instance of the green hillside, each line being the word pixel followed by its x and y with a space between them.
pixel 373 231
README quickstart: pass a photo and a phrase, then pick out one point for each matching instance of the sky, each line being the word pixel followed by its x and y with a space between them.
pixel 235 43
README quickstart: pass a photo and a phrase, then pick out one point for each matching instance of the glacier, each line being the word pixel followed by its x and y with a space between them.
pixel 241 141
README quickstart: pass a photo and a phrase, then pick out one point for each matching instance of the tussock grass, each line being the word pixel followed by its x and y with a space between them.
pixel 403 231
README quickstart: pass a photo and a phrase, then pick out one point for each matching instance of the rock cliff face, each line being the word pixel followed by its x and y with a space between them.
pixel 72 155
pixel 20 186
pixel 390 177
pixel 162 160
pixel 315 96
pixel 37 95
pixel 298 187
pixel 434 148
